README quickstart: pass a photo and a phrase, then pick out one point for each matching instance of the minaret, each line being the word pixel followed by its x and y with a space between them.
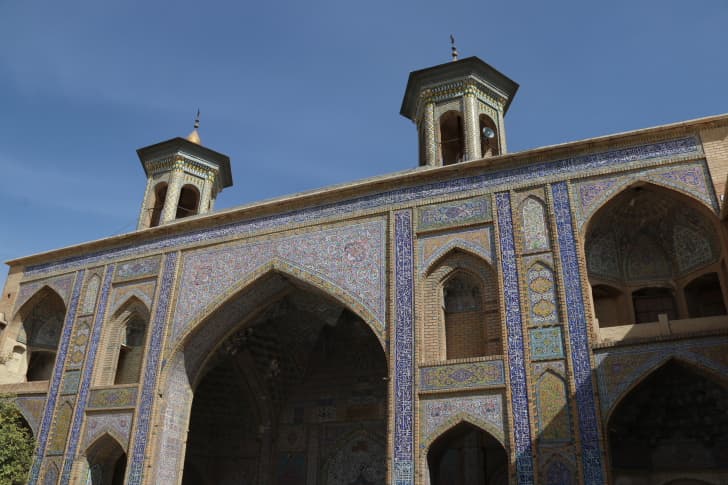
pixel 458 108
pixel 183 179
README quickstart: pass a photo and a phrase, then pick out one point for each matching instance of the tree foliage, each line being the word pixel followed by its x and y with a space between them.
pixel 16 444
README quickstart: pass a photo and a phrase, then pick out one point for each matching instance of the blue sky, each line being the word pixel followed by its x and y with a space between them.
pixel 302 95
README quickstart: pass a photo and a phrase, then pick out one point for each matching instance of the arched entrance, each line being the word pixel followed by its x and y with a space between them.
pixel 467 455
pixel 296 394
pixel 106 462
pixel 672 426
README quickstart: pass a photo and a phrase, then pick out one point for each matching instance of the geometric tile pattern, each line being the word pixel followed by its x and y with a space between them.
pixel 53 391
pixel 541 294
pixel 350 258
pixel 587 165
pixel 535 232
pixel 60 284
pixel 139 268
pixel 438 414
pixel 112 398
pixel 462 376
pixel 546 343
pixel 579 339
pixel 553 408
pixel 81 337
pixel 432 247
pixel 456 213
pixel 403 350
pixel 516 364
pixel 116 424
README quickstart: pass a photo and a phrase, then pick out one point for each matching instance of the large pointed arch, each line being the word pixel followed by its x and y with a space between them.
pixel 457 420
pixel 457 244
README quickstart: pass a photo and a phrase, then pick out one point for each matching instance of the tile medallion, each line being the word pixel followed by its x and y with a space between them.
pixel 124 397
pixel 116 424
pixel 546 343
pixel 542 293
pixel 455 213
pixel 578 339
pixel 138 268
pixel 349 258
pixel 626 158
pixel 403 471
pixel 462 376
pixel 516 351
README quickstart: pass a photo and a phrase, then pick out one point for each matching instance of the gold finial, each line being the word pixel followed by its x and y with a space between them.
pixel 194 136
pixel 453 48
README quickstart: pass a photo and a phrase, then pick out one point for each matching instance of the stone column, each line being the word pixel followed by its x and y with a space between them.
pixel 471 128
pixel 169 213
pixel 146 211
pixel 428 134
pixel 205 196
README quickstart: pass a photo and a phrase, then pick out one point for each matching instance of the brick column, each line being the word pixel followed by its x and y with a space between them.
pixel 472 128
pixel 169 213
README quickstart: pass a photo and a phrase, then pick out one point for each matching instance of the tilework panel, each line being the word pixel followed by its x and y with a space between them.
pixel 141 435
pixel 623 158
pixel 439 415
pixel 81 337
pixel 546 343
pixel 403 349
pixel 618 369
pixel 32 409
pixel 478 241
pixel 86 377
pixel 124 397
pixel 71 381
pixel 579 339
pixel 361 459
pixel 462 376
pixel 60 284
pixel 692 248
pixel 554 423
pixel 61 425
pixel 349 258
pixel 92 291
pixel 138 268
pixel 121 294
pixel 690 178
pixel 455 213
pixel 535 229
pixel 557 367
pixel 50 476
pixel 514 326
pixel 541 294
pixel 116 424
pixel 56 379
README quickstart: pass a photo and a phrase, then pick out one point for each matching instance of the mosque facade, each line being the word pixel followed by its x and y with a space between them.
pixel 554 316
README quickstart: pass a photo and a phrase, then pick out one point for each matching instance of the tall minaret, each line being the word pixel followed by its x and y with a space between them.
pixel 183 178
pixel 458 108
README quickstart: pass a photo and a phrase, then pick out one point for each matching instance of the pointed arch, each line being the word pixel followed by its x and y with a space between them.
pixel 464 418
pixel 137 293
pixel 535 234
pixel 92 290
pixel 554 420
pixel 456 244
pixel 106 461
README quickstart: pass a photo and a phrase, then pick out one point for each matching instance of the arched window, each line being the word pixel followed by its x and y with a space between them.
pixel 160 194
pixel 704 296
pixel 189 199
pixel 452 139
pixel 651 302
pixel 131 351
pixel 489 146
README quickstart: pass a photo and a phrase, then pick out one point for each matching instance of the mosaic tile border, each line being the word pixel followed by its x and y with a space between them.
pixel 578 338
pixel 112 398
pixel 154 351
pixel 671 149
pixel 53 391
pixel 403 469
pixel 489 373
pixel 516 352
pixel 80 411
pixel 455 213
pixel 137 268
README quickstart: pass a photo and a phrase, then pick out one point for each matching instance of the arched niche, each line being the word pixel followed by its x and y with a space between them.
pixel 189 201
pixel 647 237
pixel 291 355
pixel 160 195
pixel 39 324
pixel 123 344
pixel 534 224
pixel 489 144
pixel 105 462
pixel 461 317
pixel 466 455
pixel 452 137
pixel 669 426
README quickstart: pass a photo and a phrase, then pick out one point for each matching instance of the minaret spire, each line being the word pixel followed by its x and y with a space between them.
pixel 453 48
pixel 194 136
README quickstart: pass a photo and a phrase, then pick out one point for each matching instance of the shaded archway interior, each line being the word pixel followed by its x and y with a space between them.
pixel 106 462
pixel 467 455
pixel 296 395
pixel 651 251
pixel 672 426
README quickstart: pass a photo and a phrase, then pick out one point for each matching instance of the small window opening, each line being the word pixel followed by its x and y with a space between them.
pixel 189 200
pixel 704 297
pixel 40 367
pixel 160 194
pixel 608 306
pixel 488 137
pixel 131 352
pixel 452 139
pixel 650 302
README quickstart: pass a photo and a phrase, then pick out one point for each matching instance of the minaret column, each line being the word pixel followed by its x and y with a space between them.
pixel 428 134
pixel 471 128
pixel 173 190
pixel 145 211
pixel 205 205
